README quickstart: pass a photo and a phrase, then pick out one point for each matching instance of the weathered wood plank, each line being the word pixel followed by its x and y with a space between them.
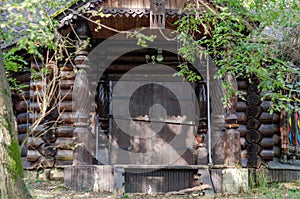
pixel 232 147
pixel 253 123
pixel 216 176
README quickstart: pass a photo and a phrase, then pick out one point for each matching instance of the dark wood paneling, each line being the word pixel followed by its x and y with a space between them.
pixel 161 181
pixel 86 178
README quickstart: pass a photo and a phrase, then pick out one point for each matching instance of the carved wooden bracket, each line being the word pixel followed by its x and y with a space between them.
pixel 157 14
pixel 82 29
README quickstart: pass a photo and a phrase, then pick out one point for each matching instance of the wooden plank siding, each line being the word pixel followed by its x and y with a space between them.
pixel 275 175
pixel 82 178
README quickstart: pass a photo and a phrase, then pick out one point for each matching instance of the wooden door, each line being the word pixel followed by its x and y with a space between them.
pixel 150 124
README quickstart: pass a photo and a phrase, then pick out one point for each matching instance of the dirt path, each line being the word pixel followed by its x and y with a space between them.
pixel 55 189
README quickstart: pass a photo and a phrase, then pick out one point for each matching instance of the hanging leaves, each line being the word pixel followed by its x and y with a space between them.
pixel 247 38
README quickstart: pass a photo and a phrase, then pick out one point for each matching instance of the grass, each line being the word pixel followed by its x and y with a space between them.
pixel 261 189
pixel 272 191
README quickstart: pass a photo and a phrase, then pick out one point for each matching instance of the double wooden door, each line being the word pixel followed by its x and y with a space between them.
pixel 152 123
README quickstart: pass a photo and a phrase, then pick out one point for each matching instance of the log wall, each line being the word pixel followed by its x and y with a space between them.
pixel 20 107
pixel 259 130
pixel 52 147
pixel 64 142
pixel 50 143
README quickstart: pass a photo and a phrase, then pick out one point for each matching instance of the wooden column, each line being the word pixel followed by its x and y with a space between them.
pixel 103 113
pixel 81 154
pixel 232 147
pixel 82 100
pixel 103 104
pixel 201 145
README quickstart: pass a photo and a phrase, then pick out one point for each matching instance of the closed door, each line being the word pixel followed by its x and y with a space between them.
pixel 152 123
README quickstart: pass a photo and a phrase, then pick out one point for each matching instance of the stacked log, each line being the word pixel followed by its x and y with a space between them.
pixel 242 120
pixel 23 117
pixel 253 112
pixel 43 145
pixel 259 130
pixel 41 134
pixel 64 132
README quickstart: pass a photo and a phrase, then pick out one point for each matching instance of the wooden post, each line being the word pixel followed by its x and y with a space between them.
pixel 81 154
pixel 232 146
pixel 103 104
pixel 81 101
pixel 201 146
pixel 103 112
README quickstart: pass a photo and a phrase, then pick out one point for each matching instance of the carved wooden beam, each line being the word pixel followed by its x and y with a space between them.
pixel 157 14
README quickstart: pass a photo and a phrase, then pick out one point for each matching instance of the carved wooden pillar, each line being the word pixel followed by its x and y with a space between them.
pixel 82 102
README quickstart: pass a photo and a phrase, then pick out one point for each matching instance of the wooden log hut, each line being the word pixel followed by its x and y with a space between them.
pixel 105 97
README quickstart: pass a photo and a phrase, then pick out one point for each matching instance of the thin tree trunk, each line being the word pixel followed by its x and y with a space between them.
pixel 11 170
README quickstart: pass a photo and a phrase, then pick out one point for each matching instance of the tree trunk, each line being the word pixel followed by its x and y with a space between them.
pixel 11 170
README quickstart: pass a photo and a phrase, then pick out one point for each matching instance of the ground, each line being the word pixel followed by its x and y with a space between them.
pixel 55 189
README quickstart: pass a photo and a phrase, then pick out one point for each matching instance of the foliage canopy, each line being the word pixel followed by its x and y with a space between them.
pixel 251 39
